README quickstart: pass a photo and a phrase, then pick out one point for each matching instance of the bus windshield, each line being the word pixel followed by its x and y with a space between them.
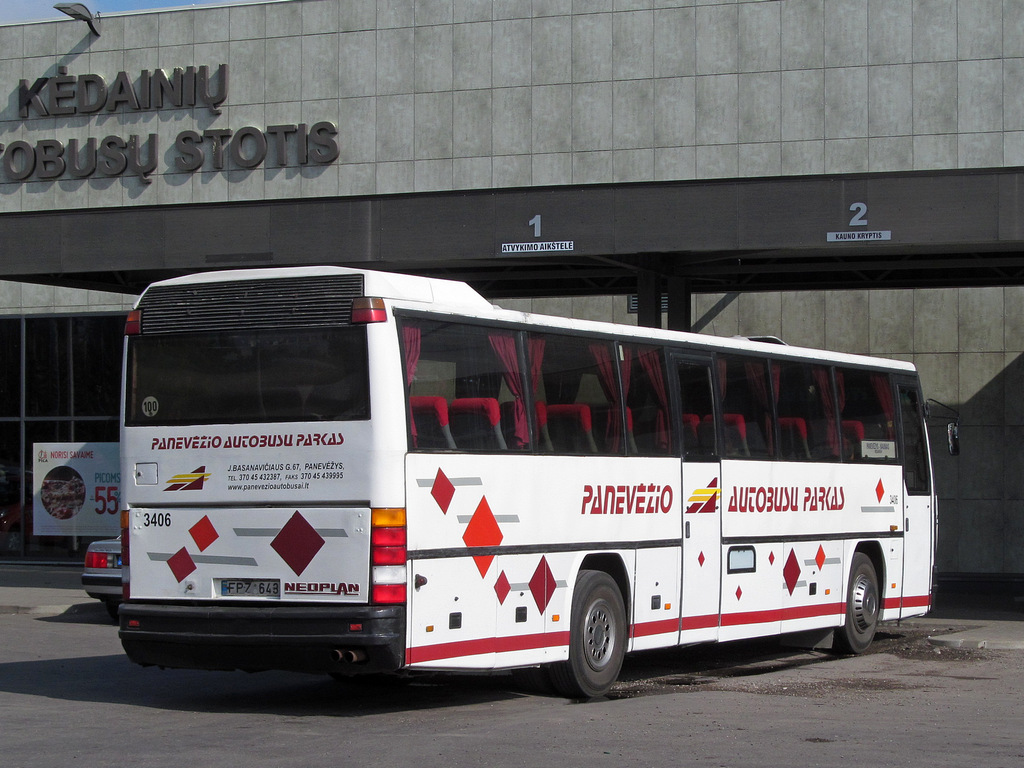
pixel 252 376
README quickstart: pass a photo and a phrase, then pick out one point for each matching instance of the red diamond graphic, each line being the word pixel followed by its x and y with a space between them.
pixel 483 531
pixel 181 564
pixel 791 571
pixel 879 489
pixel 297 543
pixel 820 557
pixel 771 558
pixel 442 491
pixel 502 588
pixel 542 584
pixel 203 533
pixel 739 593
pixel 700 559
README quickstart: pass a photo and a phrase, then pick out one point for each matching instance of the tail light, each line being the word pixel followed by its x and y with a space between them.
pixel 367 310
pixel 125 570
pixel 100 560
pixel 133 323
pixel 387 556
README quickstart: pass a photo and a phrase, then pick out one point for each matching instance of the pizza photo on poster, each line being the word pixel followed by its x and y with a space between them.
pixel 63 492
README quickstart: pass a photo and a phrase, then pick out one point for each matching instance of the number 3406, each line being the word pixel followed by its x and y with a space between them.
pixel 156 520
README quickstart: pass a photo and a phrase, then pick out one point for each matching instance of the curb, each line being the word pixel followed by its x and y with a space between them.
pixel 37 610
pixel 964 641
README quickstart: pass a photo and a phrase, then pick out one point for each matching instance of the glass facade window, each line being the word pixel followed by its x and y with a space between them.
pixel 59 382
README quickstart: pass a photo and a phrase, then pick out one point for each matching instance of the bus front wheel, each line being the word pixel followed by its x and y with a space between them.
pixel 597 638
pixel 863 606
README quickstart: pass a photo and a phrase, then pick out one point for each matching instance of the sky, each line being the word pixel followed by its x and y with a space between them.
pixel 15 11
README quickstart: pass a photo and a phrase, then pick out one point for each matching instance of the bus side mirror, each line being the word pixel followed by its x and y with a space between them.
pixel 953 438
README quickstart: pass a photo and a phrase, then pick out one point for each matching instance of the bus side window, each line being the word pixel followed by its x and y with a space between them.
pixel 806 412
pixel 576 390
pixel 696 396
pixel 464 387
pixel 747 408
pixel 648 427
pixel 915 448
pixel 867 415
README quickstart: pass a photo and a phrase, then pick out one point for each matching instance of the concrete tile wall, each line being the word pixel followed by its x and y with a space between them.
pixel 30 299
pixel 968 346
pixel 464 93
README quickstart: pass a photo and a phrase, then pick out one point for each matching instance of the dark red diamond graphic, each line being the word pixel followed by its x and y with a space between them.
pixel 442 491
pixel 297 543
pixel 739 593
pixel 203 533
pixel 502 588
pixel 542 584
pixel 879 489
pixel 820 557
pixel 791 571
pixel 483 531
pixel 700 559
pixel 181 564
pixel 771 558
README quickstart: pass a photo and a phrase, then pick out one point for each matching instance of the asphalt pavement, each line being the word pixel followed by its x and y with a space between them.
pixel 967 615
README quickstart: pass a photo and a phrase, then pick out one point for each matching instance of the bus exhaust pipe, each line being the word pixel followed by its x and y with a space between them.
pixel 348 655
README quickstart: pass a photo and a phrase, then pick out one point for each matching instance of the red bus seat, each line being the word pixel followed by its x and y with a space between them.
pixel 476 423
pixel 430 422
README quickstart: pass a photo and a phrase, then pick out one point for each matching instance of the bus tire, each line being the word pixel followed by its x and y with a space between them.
pixel 863 607
pixel 597 638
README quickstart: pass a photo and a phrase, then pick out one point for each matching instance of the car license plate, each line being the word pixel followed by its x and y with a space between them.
pixel 250 588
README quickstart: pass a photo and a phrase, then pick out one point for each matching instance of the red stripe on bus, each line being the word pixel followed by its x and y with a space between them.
pixel 782 614
pixel 648 628
pixel 914 601
pixel 484 645
pixel 700 622
pixel 917 602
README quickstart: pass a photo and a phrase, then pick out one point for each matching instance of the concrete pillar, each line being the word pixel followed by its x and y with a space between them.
pixel 648 297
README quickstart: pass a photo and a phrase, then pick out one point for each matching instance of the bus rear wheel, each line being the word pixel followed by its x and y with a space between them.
pixel 863 606
pixel 597 638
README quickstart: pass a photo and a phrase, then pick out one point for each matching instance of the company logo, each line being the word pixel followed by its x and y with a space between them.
pixel 704 499
pixel 321 588
pixel 189 481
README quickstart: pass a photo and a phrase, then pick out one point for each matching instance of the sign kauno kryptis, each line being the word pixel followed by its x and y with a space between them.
pixel 68 95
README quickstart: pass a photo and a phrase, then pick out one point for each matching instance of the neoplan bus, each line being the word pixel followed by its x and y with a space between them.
pixel 340 471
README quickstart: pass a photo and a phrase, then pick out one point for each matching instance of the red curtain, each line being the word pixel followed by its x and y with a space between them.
pixel 883 391
pixel 650 361
pixel 606 375
pixel 504 346
pixel 828 404
pixel 412 342
pixel 758 383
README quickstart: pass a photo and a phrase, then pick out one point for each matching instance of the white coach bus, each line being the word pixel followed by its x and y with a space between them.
pixel 340 471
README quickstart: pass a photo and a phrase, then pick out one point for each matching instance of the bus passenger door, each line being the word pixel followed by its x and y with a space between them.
pixel 918 503
pixel 701 492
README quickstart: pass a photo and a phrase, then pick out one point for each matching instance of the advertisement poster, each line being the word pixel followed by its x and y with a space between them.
pixel 77 489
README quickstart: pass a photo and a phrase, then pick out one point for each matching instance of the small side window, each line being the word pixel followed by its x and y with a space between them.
pixel 742 560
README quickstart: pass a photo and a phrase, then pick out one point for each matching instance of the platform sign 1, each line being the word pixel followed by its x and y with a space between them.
pixel 77 489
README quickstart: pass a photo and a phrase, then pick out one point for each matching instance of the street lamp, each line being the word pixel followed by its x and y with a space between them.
pixel 80 12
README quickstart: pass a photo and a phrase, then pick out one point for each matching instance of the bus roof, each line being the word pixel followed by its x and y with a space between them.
pixel 436 294
pixel 385 285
